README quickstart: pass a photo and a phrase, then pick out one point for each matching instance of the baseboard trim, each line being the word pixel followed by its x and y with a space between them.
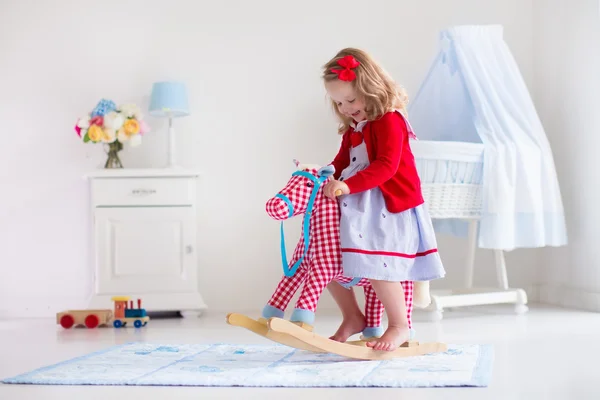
pixel 38 307
pixel 568 297
pixel 47 307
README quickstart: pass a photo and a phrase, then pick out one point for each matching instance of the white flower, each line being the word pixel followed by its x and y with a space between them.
pixel 122 136
pixel 113 120
pixel 84 122
pixel 110 135
pixel 131 111
pixel 135 140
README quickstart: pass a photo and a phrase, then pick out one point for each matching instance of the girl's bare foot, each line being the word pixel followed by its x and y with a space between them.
pixel 393 337
pixel 350 326
pixel 353 319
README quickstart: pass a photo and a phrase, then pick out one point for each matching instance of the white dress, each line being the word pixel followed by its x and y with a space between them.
pixel 381 245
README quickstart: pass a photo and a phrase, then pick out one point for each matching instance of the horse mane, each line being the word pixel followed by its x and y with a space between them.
pixel 308 167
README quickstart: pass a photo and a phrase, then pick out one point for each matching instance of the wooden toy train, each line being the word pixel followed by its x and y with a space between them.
pixel 121 316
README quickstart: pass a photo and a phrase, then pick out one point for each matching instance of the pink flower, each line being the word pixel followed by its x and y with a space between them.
pixel 144 127
pixel 98 120
pixel 78 130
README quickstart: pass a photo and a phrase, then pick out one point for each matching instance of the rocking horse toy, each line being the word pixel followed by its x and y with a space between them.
pixel 316 262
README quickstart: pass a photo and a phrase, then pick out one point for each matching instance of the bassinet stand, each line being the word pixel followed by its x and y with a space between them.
pixel 469 209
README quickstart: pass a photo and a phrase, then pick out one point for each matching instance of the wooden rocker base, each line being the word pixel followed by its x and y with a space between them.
pixel 261 328
pixel 289 334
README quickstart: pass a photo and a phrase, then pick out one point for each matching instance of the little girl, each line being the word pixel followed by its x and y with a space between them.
pixel 386 232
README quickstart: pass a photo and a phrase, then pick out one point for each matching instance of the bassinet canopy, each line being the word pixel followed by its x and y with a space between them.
pixel 474 92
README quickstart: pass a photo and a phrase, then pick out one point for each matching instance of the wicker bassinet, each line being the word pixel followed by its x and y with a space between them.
pixel 451 177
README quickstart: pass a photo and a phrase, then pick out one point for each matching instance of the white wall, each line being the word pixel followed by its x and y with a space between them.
pixel 567 83
pixel 252 70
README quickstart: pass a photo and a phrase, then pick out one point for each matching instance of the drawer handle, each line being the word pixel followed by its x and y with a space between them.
pixel 143 192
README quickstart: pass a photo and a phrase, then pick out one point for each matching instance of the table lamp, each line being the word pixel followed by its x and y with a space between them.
pixel 169 99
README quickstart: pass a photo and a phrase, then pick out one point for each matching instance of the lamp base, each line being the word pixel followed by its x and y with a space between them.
pixel 171 163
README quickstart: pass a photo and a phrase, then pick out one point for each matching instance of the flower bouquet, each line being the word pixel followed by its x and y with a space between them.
pixel 112 126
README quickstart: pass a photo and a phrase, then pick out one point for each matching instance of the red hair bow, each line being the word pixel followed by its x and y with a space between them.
pixel 346 74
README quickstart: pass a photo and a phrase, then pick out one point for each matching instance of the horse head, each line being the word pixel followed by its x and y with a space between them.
pixel 300 192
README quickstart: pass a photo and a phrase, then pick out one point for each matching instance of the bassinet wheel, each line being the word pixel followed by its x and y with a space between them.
pixel 521 309
pixel 437 315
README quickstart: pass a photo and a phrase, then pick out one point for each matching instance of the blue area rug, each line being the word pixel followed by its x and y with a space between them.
pixel 260 365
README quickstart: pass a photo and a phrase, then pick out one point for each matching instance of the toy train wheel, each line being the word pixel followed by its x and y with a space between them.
pixel 137 323
pixel 92 321
pixel 67 321
pixel 117 323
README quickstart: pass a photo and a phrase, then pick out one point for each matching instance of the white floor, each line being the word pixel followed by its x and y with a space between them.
pixel 548 353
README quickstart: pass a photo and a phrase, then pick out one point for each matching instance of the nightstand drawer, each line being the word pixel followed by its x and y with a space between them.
pixel 143 192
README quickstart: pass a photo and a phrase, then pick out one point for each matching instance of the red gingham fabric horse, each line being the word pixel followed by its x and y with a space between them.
pixel 321 262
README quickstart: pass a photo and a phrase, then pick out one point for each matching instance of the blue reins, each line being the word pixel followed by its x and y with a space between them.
pixel 289 272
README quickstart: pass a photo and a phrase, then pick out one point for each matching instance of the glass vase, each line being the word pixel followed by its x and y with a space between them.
pixel 113 160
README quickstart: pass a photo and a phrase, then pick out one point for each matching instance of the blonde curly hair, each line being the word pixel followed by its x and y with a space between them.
pixel 373 84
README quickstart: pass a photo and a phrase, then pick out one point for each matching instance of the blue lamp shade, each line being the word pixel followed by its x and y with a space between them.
pixel 169 99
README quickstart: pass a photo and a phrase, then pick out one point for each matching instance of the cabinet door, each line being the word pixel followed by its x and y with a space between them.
pixel 145 250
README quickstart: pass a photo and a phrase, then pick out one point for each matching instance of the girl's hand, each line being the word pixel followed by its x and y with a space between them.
pixel 333 186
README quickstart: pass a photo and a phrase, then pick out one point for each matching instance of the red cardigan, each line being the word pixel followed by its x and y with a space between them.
pixel 392 165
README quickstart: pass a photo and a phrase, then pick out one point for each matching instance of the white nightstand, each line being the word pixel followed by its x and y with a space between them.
pixel 144 236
